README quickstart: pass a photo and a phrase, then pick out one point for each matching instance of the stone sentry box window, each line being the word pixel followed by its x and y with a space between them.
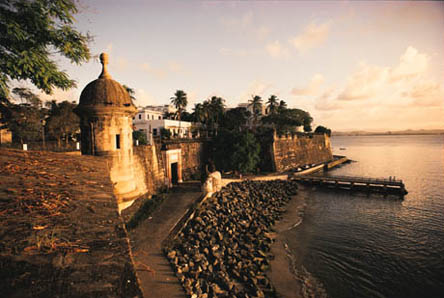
pixel 117 141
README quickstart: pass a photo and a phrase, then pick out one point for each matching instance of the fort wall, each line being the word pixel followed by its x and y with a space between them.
pixel 290 152
pixel 151 168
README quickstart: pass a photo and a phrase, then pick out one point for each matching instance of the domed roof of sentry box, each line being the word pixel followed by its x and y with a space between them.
pixel 105 92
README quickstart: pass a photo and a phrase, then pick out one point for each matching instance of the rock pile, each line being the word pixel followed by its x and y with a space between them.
pixel 224 251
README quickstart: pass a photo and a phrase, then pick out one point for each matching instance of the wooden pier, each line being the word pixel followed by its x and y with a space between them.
pixel 379 185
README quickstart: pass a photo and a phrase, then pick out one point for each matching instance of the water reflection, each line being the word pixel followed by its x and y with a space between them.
pixel 367 246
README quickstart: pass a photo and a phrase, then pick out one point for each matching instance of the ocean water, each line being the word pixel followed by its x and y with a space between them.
pixel 358 245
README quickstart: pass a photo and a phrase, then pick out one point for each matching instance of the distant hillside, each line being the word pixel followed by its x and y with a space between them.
pixel 397 132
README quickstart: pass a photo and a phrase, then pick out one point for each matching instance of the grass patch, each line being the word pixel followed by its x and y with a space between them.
pixel 147 208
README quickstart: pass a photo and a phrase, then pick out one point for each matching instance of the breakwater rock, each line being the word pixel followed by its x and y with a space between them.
pixel 224 250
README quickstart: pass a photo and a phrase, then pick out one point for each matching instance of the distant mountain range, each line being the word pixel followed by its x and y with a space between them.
pixel 394 132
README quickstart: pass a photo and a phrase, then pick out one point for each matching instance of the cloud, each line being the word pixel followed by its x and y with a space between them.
pixel 312 36
pixel 143 98
pixel 411 64
pixel 171 67
pixel 326 101
pixel 262 32
pixel 313 87
pixel 255 88
pixel 365 82
pixel 156 72
pixel 276 50
pixel 245 24
pixel 426 93
pixel 405 83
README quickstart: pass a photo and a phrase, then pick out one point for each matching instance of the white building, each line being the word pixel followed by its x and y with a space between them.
pixel 249 108
pixel 151 122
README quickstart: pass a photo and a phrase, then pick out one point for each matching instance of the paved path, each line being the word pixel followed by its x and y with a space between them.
pixel 155 273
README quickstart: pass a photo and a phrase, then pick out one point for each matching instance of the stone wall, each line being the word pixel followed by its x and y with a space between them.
pixel 298 150
pixel 149 168
pixel 194 155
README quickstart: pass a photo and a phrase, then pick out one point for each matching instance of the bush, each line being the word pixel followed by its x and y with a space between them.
pixel 140 136
pixel 236 151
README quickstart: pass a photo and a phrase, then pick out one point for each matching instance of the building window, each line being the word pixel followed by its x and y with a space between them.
pixel 117 141
pixel 160 117
pixel 140 116
pixel 154 131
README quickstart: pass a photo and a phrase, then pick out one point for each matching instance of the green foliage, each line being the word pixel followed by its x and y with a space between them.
pixel 130 91
pixel 140 136
pixel 235 150
pixel 31 31
pixel 165 133
pixel 62 122
pixel 25 120
pixel 288 119
pixel 210 113
pixel 272 105
pixel 246 153
pixel 235 119
pixel 323 129
pixel 256 104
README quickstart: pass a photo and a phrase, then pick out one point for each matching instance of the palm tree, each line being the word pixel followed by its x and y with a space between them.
pixel 282 106
pixel 198 113
pixel 130 91
pixel 217 109
pixel 179 100
pixel 272 104
pixel 256 104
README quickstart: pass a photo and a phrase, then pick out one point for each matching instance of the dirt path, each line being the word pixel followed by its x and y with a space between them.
pixel 154 271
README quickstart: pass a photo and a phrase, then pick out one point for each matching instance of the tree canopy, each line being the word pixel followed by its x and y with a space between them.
pixel 272 104
pixel 323 129
pixel 31 32
pixel 25 120
pixel 235 150
pixel 285 120
pixel 62 122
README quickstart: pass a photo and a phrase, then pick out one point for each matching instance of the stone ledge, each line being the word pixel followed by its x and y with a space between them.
pixel 60 232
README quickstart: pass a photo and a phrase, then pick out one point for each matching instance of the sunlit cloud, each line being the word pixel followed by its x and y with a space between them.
pixel 365 82
pixel 143 98
pixel 171 67
pixel 311 37
pixel 411 64
pixel 313 88
pixel 277 50
pixel 403 83
pixel 386 97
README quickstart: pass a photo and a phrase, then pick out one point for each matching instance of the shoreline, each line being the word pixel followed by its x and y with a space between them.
pixel 281 273
pixel 287 273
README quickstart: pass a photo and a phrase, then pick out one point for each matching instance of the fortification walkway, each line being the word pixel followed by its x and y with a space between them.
pixel 156 276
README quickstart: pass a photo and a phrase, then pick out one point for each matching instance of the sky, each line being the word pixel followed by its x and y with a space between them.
pixel 353 65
